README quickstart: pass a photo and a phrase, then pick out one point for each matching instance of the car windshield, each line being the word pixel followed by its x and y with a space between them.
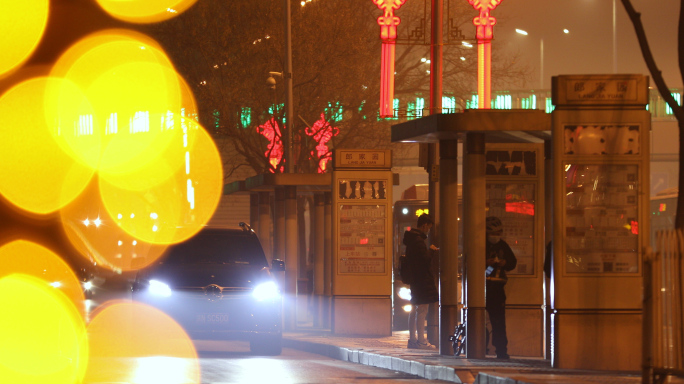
pixel 217 248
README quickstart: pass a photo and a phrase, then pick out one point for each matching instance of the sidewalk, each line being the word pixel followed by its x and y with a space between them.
pixel 391 353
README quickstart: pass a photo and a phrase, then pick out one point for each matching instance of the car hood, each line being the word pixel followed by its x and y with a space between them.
pixel 201 275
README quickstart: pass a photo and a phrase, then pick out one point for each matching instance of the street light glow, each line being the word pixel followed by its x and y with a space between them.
pixel 565 30
pixel 521 31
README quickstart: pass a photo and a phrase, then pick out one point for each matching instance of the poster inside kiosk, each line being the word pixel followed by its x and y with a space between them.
pixel 362 239
pixel 362 227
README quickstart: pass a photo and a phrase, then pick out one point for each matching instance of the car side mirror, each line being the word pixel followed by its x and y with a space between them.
pixel 278 265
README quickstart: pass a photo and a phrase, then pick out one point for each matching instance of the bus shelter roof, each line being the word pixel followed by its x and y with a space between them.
pixel 498 125
pixel 305 182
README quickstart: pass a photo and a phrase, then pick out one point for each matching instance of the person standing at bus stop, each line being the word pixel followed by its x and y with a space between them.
pixel 423 288
pixel 500 258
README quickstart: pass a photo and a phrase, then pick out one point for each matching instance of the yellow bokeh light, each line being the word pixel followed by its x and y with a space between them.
pixel 22 24
pixel 133 90
pixel 168 160
pixel 133 330
pixel 181 205
pixel 22 256
pixel 145 11
pixel 37 174
pixel 96 235
pixel 42 334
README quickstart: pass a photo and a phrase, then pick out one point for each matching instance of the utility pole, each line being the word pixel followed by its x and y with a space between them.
pixel 289 110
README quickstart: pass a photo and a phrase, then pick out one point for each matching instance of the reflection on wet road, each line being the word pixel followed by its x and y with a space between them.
pixel 223 362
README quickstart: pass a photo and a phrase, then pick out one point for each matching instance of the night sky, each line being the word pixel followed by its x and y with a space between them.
pixel 588 48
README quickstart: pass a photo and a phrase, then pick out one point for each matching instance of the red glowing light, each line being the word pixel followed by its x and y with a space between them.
pixel 484 26
pixel 388 22
pixel 520 207
pixel 635 227
pixel 322 132
pixel 662 207
pixel 387 80
pixel 388 34
pixel 274 152
pixel 363 241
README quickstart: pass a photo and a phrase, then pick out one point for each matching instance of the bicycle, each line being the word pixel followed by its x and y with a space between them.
pixel 458 340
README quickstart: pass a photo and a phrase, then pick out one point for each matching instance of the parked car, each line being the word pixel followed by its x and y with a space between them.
pixel 218 285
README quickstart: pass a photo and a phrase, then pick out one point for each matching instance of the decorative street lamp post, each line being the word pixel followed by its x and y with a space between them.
pixel 388 34
pixel 484 24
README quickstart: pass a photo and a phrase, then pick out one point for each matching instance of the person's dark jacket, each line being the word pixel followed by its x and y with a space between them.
pixel 423 288
pixel 502 251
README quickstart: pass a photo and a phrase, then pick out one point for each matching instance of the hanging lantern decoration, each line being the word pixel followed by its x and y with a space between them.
pixel 484 27
pixel 388 35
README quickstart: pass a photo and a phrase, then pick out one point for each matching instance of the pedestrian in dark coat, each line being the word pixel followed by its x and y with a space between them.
pixel 423 288
pixel 500 258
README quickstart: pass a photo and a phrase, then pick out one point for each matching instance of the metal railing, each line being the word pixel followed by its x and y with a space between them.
pixel 663 336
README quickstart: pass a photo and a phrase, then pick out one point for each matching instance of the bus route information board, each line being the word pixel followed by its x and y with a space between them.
pixel 362 238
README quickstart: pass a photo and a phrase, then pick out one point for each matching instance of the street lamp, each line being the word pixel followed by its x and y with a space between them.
pixel 271 83
pixel 541 54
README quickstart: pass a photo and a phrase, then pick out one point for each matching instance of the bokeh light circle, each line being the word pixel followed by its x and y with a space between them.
pixel 97 237
pixel 145 11
pixel 134 92
pixel 37 174
pixel 22 24
pixel 42 335
pixel 134 330
pixel 178 207
pixel 28 258
pixel 166 161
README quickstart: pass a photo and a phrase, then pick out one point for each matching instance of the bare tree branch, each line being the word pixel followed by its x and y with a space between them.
pixel 656 74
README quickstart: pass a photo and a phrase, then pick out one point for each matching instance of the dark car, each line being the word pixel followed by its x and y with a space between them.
pixel 218 285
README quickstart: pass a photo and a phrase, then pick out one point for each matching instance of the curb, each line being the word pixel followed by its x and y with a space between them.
pixel 361 356
pixel 484 378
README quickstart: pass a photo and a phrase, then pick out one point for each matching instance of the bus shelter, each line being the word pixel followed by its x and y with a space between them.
pixel 503 174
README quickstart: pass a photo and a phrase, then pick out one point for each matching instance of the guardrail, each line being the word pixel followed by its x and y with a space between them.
pixel 663 323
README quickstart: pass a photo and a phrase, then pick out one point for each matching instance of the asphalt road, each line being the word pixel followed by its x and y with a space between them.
pixel 223 362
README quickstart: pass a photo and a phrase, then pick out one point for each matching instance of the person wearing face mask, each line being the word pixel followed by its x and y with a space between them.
pixel 500 258
pixel 423 288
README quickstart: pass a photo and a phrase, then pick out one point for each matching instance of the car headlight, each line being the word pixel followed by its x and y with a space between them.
pixel 404 293
pixel 158 288
pixel 266 291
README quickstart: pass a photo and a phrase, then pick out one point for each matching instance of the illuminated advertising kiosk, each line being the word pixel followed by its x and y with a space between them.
pixel 601 198
pixel 362 242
